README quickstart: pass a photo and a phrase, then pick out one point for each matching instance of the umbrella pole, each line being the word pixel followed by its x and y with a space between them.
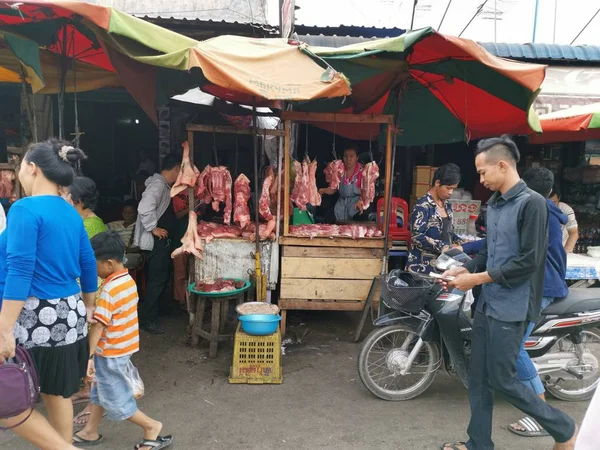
pixel 258 269
pixel 391 147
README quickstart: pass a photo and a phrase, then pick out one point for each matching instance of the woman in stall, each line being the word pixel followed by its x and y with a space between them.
pixel 348 206
pixel 431 221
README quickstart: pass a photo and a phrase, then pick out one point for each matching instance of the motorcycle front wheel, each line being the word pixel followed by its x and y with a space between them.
pixel 384 354
pixel 567 387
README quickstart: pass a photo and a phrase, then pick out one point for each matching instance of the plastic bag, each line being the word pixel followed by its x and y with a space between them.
pixel 135 381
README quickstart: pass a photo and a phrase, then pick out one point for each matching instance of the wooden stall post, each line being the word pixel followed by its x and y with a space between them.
pixel 286 178
pixel 389 173
pixel 191 298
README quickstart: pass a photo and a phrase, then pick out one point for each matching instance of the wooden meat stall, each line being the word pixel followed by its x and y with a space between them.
pixel 236 257
pixel 322 273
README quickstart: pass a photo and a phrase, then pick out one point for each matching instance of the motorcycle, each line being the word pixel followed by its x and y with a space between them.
pixel 428 328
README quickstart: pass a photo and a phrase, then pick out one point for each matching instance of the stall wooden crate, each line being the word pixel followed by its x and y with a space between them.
pixel 327 274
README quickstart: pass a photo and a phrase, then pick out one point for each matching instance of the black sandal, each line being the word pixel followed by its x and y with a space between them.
pixel 530 428
pixel 159 443
pixel 452 446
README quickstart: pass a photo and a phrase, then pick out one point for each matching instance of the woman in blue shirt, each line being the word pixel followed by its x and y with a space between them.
pixel 431 221
pixel 43 252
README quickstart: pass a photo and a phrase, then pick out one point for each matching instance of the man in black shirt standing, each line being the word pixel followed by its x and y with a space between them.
pixel 511 270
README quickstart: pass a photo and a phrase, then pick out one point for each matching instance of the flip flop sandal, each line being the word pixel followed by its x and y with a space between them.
pixel 80 400
pixel 78 441
pixel 531 428
pixel 453 446
pixel 160 442
pixel 83 414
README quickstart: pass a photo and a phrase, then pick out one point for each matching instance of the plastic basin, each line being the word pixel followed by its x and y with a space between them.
pixel 259 324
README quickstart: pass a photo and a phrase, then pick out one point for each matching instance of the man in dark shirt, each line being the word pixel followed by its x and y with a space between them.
pixel 511 270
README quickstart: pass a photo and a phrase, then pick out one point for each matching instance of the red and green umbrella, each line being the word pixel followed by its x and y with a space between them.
pixel 579 123
pixel 440 88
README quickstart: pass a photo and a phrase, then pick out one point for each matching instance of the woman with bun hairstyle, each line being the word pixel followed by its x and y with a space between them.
pixel 43 252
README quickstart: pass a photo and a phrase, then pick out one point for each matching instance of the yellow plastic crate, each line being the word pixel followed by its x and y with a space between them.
pixel 256 359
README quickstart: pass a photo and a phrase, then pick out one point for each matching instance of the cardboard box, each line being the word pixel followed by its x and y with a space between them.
pixel 423 174
pixel 412 203
pixel 420 189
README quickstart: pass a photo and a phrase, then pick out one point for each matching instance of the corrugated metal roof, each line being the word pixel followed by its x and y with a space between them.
pixel 348 31
pixel 330 41
pixel 168 22
pixel 547 52
pixel 588 53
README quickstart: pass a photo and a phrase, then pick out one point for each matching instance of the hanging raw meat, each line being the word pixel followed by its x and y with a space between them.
pixel 264 204
pixel 241 212
pixel 188 175
pixel 192 244
pixel 6 183
pixel 214 186
pixel 305 187
pixel 370 174
pixel 314 198
pixel 334 171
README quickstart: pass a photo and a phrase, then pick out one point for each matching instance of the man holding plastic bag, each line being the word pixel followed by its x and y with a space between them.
pixel 113 339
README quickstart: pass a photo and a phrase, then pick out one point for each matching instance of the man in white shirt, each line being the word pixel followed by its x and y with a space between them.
pixel 570 230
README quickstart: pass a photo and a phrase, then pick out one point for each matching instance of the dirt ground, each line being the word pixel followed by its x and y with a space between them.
pixel 321 403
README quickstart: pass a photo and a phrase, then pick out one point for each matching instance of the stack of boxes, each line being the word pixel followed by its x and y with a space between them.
pixel 422 176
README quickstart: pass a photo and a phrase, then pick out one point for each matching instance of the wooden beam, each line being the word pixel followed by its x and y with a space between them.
pixel 286 178
pixel 340 242
pixel 315 305
pixel 230 130
pixel 388 173
pixel 340 118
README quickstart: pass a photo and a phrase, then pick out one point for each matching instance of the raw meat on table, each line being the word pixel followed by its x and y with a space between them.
pixel 370 174
pixel 265 231
pixel 214 186
pixel 192 244
pixel 188 175
pixel 241 212
pixel 218 285
pixel 354 231
pixel 210 231
pixel 334 171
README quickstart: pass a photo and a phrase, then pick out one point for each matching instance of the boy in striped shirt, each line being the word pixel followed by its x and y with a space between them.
pixel 113 338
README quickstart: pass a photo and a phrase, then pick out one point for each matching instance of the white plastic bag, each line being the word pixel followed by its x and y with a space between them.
pixel 133 376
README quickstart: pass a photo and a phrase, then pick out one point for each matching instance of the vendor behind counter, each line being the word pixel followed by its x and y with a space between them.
pixel 348 206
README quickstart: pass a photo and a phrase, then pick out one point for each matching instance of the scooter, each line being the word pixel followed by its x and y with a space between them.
pixel 428 328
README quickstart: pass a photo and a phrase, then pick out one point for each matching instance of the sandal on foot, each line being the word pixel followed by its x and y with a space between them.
pixel 159 443
pixel 530 428
pixel 453 446
pixel 80 416
pixel 78 441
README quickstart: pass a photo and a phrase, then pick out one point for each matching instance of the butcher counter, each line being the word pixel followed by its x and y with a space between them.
pixel 327 274
pixel 234 258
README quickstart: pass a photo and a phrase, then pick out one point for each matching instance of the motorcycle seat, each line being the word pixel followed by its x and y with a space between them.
pixel 578 300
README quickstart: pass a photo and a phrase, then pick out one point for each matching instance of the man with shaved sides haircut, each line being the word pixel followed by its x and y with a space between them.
pixel 511 269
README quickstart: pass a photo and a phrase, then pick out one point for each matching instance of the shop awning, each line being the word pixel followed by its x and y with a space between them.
pixel 580 123
pixel 154 62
